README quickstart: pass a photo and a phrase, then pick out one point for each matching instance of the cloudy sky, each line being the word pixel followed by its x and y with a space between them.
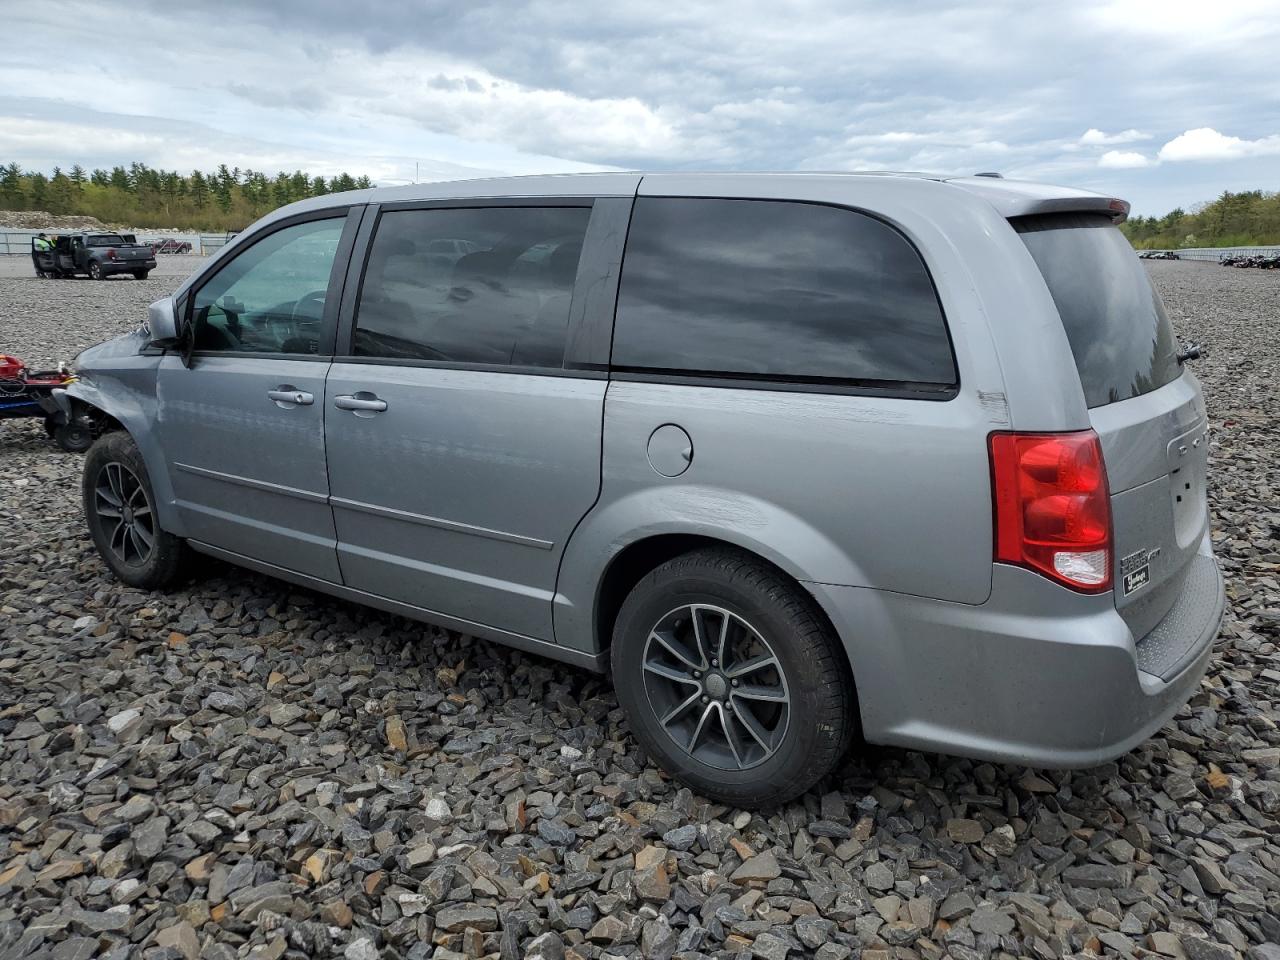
pixel 1163 102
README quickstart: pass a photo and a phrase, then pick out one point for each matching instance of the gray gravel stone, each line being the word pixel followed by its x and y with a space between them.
pixel 878 877
pixel 681 838
pixel 1098 875
pixel 764 866
pixel 987 920
pixel 1198 949
pixel 456 919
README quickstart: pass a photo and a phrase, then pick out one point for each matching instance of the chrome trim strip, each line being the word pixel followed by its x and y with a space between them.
pixel 308 495
pixel 545 648
pixel 441 524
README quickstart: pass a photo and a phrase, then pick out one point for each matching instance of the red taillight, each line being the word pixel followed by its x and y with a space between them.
pixel 111 253
pixel 1052 506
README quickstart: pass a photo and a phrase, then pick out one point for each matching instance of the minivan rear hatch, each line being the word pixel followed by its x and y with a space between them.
pixel 1149 415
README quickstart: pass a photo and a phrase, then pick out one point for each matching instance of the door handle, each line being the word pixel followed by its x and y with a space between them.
pixel 362 401
pixel 292 396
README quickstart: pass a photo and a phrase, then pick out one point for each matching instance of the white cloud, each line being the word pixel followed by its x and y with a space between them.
pixel 477 105
pixel 1188 22
pixel 1205 143
pixel 1123 160
pixel 1094 137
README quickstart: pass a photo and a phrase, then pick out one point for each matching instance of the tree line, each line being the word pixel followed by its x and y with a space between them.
pixel 231 199
pixel 1245 219
pixel 140 196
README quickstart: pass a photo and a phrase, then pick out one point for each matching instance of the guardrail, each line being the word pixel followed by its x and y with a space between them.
pixel 15 242
pixel 1214 254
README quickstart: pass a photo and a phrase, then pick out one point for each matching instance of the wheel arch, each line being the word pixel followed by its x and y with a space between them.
pixel 786 616
pixel 618 538
pixel 641 557
pixel 109 413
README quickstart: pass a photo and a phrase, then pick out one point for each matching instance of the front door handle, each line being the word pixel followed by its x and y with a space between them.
pixel 287 395
pixel 362 401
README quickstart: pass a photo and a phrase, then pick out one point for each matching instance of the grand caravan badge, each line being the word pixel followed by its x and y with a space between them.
pixel 1135 570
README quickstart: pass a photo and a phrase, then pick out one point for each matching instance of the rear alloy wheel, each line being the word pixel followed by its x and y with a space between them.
pixel 120 508
pixel 95 272
pixel 732 679
pixel 716 686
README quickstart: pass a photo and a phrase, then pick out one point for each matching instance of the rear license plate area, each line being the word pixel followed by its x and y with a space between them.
pixel 1188 459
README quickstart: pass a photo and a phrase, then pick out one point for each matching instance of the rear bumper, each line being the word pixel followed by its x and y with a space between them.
pixel 1037 675
pixel 126 266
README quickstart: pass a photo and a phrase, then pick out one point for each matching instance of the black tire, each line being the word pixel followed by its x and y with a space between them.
pixel 75 436
pixel 140 274
pixel 768 612
pixel 95 271
pixel 166 559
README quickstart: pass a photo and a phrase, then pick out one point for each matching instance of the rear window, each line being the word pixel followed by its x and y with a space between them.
pixel 106 240
pixel 777 291
pixel 1120 335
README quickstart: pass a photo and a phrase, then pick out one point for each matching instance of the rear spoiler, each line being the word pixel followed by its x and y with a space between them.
pixel 1015 198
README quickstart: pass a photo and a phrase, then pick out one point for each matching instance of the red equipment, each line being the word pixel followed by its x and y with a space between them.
pixel 29 393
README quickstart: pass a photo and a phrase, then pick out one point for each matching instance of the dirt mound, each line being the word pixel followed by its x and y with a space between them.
pixel 40 220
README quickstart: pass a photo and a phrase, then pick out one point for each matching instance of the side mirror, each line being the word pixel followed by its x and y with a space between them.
pixel 162 322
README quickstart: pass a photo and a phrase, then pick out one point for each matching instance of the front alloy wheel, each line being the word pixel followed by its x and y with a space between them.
pixel 124 514
pixel 119 505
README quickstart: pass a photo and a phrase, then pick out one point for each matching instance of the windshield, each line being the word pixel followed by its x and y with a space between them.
pixel 1120 336
pixel 105 240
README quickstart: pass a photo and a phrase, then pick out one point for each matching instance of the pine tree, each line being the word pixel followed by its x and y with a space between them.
pixel 199 190
pixel 12 195
pixel 38 191
pixel 61 193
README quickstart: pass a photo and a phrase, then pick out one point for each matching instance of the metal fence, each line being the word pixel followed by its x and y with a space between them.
pixel 18 242
pixel 1214 254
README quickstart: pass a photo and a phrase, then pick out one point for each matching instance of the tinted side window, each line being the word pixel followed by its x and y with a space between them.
pixel 776 290
pixel 270 297
pixel 489 285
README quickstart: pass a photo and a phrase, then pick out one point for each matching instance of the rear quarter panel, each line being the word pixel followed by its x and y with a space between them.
pixel 887 493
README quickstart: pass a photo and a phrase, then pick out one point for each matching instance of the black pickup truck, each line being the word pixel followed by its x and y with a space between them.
pixel 100 255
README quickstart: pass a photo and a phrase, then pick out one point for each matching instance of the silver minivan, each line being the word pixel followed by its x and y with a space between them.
pixel 803 459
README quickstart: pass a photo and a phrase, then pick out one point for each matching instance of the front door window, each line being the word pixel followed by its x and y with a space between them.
pixel 270 298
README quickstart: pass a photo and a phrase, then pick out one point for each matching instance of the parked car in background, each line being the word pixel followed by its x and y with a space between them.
pixel 168 245
pixel 804 459
pixel 99 255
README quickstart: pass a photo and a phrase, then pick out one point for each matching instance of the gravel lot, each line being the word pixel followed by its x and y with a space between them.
pixel 241 768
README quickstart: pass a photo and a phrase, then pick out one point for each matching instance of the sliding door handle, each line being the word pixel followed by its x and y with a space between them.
pixel 363 401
